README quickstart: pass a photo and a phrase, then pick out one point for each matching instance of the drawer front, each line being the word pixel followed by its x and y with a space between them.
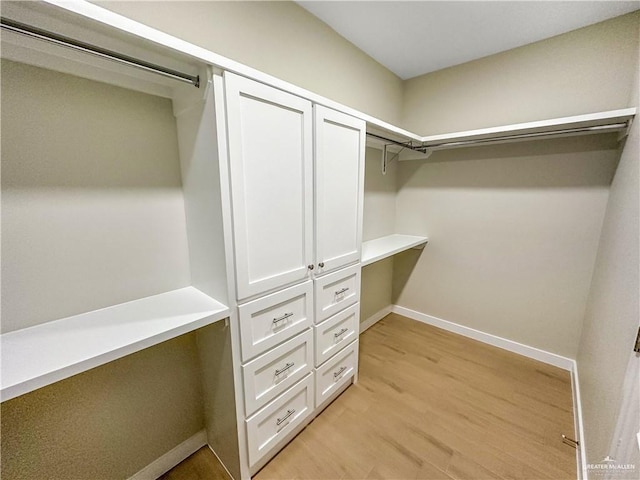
pixel 269 375
pixel 334 334
pixel 267 427
pixel 268 321
pixel 336 291
pixel 336 372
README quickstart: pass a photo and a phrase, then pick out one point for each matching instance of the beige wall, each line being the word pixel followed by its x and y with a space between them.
pixel 281 39
pixel 587 70
pixel 613 310
pixel 379 220
pixel 92 206
pixel 92 215
pixel 106 423
pixel 513 231
pixel 379 216
pixel 216 360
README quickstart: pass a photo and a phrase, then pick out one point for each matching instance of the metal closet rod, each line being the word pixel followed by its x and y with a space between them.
pixel 57 39
pixel 518 136
pixel 527 136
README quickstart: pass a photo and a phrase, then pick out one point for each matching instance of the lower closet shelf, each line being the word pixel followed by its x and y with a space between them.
pixel 44 354
pixel 383 247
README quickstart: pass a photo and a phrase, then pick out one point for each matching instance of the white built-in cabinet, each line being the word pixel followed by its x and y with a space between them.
pixel 339 179
pixel 272 181
pixel 295 173
pixel 271 176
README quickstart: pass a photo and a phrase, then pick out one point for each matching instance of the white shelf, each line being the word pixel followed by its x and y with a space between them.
pixel 384 247
pixel 44 354
pixel 591 120
pixel 123 33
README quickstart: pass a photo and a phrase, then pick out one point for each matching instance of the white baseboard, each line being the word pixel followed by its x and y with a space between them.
pixel 221 462
pixel 172 458
pixel 525 350
pixel 376 317
pixel 581 455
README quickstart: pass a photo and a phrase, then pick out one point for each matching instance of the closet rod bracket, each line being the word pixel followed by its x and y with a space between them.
pixel 624 133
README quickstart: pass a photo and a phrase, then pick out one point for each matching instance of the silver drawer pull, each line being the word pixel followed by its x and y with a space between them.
pixel 340 333
pixel 285 368
pixel 342 290
pixel 280 421
pixel 338 373
pixel 283 317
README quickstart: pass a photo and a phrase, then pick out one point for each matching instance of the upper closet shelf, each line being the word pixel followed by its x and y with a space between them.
pixel 87 22
pixel 600 122
pixel 384 247
pixel 405 148
pixel 44 354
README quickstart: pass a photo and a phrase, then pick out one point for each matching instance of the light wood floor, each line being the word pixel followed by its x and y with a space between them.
pixel 434 405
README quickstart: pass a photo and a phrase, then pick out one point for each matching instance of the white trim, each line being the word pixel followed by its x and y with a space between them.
pixel 172 458
pixel 132 27
pixel 506 344
pixel 227 221
pixel 375 318
pixel 120 22
pixel 581 454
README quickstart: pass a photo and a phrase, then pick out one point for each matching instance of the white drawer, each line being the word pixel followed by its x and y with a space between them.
pixel 336 291
pixel 336 372
pixel 271 424
pixel 334 334
pixel 270 320
pixel 269 375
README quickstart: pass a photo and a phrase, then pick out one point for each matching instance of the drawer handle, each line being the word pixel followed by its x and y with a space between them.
pixel 337 374
pixel 280 421
pixel 285 368
pixel 342 290
pixel 340 333
pixel 283 317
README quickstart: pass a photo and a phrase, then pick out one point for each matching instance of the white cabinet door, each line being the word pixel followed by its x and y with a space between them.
pixel 339 162
pixel 270 168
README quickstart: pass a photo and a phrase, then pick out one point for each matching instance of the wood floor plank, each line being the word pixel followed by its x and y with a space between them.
pixel 431 404
pixel 434 400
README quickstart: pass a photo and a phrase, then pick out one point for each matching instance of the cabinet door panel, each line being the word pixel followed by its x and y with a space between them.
pixel 339 161
pixel 270 165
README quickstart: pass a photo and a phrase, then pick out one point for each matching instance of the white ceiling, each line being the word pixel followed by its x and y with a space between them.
pixel 413 38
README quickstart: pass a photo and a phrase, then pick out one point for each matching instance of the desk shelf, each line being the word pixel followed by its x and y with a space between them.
pixel 44 354
pixel 384 247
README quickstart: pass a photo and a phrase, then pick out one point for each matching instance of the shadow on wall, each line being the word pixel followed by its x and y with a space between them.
pixel 78 134
pixel 108 422
pixel 403 266
pixel 552 163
